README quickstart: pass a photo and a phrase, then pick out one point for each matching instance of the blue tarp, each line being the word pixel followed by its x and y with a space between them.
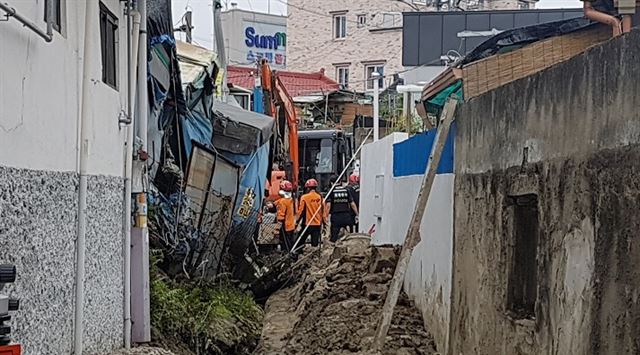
pixel 410 157
pixel 252 183
pixel 196 127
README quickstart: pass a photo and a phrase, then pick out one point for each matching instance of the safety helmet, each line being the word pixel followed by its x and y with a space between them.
pixel 354 179
pixel 311 183
pixel 286 185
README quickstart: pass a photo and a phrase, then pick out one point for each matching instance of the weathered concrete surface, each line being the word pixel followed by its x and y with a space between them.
pixel 574 108
pixel 37 233
pixel 580 124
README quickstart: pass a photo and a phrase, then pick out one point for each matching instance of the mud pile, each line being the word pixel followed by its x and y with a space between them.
pixel 336 304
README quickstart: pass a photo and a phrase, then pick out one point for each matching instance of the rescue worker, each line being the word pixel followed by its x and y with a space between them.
pixel 341 206
pixel 354 191
pixel 286 215
pixel 311 210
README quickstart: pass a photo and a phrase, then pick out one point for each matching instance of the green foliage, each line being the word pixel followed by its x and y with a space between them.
pixel 207 318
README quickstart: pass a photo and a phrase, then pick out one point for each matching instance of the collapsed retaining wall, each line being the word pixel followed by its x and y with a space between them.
pixel 546 254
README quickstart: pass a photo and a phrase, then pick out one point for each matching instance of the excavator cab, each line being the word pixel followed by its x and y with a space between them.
pixel 323 154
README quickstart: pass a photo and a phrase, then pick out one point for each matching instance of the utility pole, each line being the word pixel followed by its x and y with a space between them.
pixel 376 105
pixel 188 28
pixel 219 44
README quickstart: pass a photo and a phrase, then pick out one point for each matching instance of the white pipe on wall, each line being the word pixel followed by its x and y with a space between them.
pixel 134 33
pixel 91 12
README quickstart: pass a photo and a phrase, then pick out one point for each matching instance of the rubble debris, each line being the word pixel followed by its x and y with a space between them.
pixel 334 306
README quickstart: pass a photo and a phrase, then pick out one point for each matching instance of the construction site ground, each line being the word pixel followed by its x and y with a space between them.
pixel 334 305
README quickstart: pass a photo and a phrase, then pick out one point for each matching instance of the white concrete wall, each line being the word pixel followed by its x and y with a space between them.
pixel 377 159
pixel 428 278
pixel 40 94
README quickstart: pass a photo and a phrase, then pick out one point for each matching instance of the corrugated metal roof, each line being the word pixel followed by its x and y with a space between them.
pixel 193 60
pixel 296 83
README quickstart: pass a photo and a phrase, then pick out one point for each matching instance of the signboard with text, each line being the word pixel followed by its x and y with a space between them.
pixel 265 40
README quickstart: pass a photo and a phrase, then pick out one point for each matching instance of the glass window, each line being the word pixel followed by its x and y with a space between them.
pixel 342 76
pixel 325 157
pixel 369 70
pixel 109 40
pixel 56 8
pixel 339 26
pixel 362 20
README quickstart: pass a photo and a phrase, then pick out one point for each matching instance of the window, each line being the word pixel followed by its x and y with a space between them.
pixel 339 26
pixel 362 20
pixel 342 76
pixel 109 41
pixel 325 157
pixel 369 70
pixel 522 285
pixel 56 8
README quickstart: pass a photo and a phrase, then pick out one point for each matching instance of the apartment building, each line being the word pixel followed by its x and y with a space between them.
pixel 353 39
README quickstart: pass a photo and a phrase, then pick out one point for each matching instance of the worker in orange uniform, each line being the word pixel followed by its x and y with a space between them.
pixel 311 210
pixel 286 215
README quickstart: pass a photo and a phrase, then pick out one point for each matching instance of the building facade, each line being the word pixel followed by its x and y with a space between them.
pixel 41 86
pixel 250 36
pixel 353 39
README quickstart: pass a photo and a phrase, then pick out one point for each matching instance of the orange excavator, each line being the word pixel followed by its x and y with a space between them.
pixel 284 151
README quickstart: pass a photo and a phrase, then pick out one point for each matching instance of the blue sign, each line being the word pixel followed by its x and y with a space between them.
pixel 279 39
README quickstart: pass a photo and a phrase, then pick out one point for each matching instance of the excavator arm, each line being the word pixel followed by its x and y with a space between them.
pixel 279 100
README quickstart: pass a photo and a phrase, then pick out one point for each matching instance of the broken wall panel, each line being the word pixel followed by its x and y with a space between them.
pixel 571 136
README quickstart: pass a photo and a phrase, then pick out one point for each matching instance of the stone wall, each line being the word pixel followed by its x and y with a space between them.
pixel 570 136
pixel 38 222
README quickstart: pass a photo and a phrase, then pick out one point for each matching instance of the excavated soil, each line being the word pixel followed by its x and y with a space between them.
pixel 335 305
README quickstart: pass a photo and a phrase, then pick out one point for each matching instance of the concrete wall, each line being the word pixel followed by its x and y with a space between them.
pixel 40 95
pixel 428 278
pixel 376 160
pixel 234 25
pixel 579 123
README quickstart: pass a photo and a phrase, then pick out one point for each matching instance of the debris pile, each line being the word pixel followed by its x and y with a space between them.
pixel 336 303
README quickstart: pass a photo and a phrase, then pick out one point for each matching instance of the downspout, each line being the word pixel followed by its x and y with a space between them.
pixel 91 12
pixel 48 36
pixel 131 71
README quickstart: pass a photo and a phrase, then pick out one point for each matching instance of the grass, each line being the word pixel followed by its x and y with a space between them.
pixel 206 318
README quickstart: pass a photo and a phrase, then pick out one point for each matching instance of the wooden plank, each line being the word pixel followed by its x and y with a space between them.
pixel 413 233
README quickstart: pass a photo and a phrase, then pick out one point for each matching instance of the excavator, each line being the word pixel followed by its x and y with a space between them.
pixel 284 145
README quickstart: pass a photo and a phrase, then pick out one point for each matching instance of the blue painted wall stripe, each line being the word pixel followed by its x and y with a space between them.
pixel 410 156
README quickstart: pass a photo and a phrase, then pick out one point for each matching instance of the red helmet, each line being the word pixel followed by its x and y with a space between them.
pixel 286 185
pixel 354 179
pixel 311 183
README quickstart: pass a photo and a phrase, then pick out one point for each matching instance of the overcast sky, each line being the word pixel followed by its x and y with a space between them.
pixel 202 12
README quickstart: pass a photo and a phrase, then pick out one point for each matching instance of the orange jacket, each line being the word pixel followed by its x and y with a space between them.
pixel 286 213
pixel 309 204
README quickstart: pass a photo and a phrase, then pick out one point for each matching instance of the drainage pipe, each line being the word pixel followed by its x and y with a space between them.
pixel 91 12
pixel 128 170
pixel 143 97
pixel 47 36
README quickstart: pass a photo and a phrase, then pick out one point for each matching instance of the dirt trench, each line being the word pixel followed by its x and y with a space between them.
pixel 335 305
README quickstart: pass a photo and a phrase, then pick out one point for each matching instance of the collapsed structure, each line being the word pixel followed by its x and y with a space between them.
pixel 529 249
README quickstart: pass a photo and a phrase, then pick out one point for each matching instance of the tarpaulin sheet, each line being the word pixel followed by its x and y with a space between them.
pixel 197 128
pixel 410 157
pixel 524 35
pixel 252 183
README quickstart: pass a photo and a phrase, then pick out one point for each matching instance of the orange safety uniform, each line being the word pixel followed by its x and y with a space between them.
pixel 286 213
pixel 309 204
